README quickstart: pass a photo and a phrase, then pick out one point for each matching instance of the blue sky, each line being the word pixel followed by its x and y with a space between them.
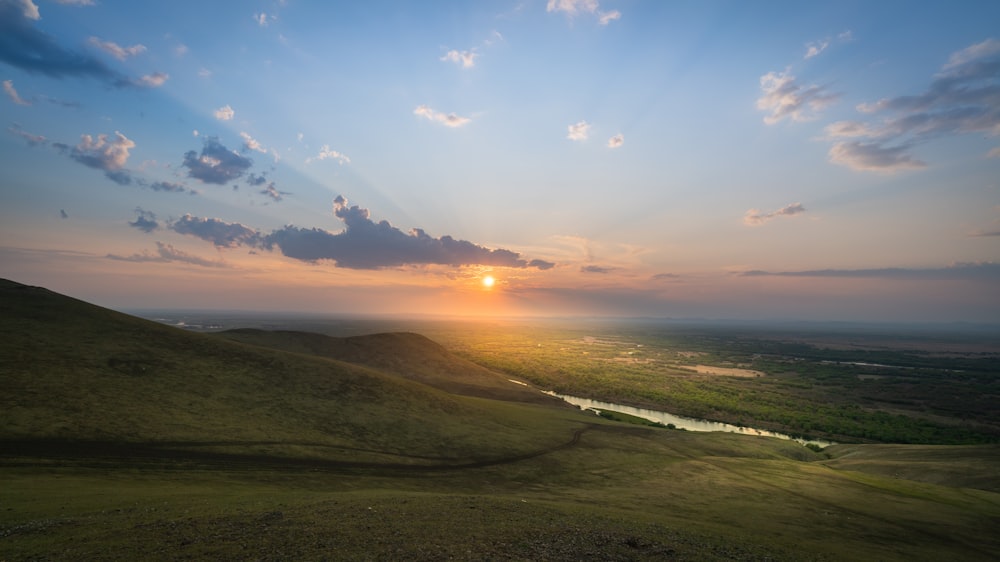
pixel 823 161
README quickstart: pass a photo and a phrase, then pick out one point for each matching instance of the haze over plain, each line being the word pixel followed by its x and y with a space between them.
pixel 721 159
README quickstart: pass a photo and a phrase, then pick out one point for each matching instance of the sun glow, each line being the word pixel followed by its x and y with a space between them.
pixel 489 281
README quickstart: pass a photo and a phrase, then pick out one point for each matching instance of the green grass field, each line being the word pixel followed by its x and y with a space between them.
pixel 122 439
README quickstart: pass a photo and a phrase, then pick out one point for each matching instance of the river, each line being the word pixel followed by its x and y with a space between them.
pixel 680 422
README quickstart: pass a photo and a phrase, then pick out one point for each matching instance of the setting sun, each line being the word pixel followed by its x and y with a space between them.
pixel 489 281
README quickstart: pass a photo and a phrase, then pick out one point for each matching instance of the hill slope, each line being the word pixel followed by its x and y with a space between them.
pixel 405 354
pixel 75 371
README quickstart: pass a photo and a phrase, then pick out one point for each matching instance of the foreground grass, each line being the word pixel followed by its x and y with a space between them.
pixel 621 493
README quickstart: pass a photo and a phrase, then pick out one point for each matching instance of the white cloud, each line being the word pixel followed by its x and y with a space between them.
pixel 756 217
pixel 784 97
pixel 115 50
pixel 325 153
pixel 154 80
pixel 608 17
pixel 205 73
pixel 573 7
pixel 446 119
pixel 466 59
pixel 985 49
pixel 76 2
pixel 814 48
pixel 195 132
pixel 224 113
pixel 8 88
pixel 181 50
pixel 101 153
pixel 252 143
pixel 616 141
pixel 579 131
pixel 30 10
pixel 263 19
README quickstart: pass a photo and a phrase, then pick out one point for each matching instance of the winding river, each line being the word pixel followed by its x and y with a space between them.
pixel 680 422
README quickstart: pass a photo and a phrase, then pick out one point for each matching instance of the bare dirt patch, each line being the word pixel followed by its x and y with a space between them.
pixel 722 371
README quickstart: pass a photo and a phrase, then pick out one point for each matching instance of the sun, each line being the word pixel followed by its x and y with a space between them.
pixel 489 281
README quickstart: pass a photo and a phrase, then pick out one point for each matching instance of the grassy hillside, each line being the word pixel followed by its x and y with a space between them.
pixel 74 371
pixel 122 439
pixel 408 355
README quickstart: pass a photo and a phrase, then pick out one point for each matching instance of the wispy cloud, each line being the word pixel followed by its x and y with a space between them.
pixel 154 80
pixel 596 269
pixel 446 119
pixel 264 19
pixel 251 143
pixel 962 98
pixel 783 97
pixel 575 7
pixel 579 131
pixel 116 50
pixel 981 271
pixel 326 153
pixel 363 244
pixel 32 140
pixel 166 253
pixel 814 48
pixel 616 141
pixel 272 192
pixel 756 217
pixel 8 88
pixel 224 113
pixel 465 59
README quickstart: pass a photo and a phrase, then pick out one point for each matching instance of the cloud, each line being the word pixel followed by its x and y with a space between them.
pixel 220 233
pixel 446 119
pixel 325 153
pixel 216 163
pixel 32 140
pixel 154 80
pixel 596 269
pixel 251 144
pixel 224 113
pixel 272 192
pixel 995 153
pixel 25 47
pixel 166 253
pixel 962 98
pixel 874 157
pixel 814 48
pixel 115 50
pixel 263 19
pixel 255 180
pixel 121 177
pixel 979 271
pixel 784 97
pixel 63 214
pixel 616 141
pixel 103 154
pixel 579 131
pixel 167 186
pixel 145 221
pixel 465 59
pixel 8 88
pixel 363 244
pixel 76 2
pixel 574 7
pixel 756 217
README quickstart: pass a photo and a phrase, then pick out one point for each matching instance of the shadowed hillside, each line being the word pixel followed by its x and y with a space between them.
pixel 406 354
pixel 75 371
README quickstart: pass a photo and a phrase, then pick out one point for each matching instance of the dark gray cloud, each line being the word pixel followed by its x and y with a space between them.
pixel 254 180
pixel 121 177
pixel 665 276
pixel 220 233
pixel 145 221
pixel 595 269
pixel 25 47
pixel 216 163
pixel 363 244
pixel 273 192
pixel 983 271
pixel 166 253
pixel 167 186
pixel 963 98
pixel 63 214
